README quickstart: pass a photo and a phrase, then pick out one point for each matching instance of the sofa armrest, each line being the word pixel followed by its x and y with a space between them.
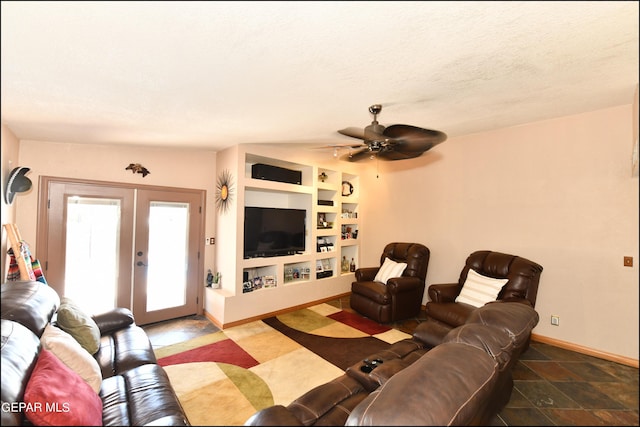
pixel 366 274
pixel 113 320
pixel 276 415
pixel 431 332
pixel 398 285
pixel 443 292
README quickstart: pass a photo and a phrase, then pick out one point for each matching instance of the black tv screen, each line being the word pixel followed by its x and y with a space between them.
pixel 273 231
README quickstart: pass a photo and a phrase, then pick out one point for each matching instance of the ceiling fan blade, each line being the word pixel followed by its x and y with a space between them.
pixel 363 153
pixel 373 132
pixel 353 132
pixel 353 145
pixel 415 137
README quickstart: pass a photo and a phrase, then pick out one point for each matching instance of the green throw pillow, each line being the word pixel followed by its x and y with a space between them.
pixel 79 325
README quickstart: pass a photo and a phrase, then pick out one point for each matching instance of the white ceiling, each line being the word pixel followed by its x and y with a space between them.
pixel 215 74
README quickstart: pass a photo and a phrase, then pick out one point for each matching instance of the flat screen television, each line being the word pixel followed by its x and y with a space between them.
pixel 273 231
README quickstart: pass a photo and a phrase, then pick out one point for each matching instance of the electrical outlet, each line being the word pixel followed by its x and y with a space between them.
pixel 555 320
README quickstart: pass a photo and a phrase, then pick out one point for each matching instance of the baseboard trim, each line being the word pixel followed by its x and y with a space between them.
pixel 628 361
pixel 223 326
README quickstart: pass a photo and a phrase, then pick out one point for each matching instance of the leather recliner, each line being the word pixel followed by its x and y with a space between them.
pixel 523 279
pixel 399 298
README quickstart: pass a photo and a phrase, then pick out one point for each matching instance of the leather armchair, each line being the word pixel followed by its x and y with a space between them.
pixel 400 297
pixel 523 278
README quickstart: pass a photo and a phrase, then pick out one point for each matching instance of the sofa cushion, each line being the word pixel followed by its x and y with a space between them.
pixel 57 396
pixel 20 348
pixel 479 290
pixel 73 320
pixel 389 269
pixel 32 304
pixel 71 353
pixel 124 349
pixel 141 396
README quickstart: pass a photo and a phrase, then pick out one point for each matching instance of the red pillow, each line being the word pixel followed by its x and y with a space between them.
pixel 58 396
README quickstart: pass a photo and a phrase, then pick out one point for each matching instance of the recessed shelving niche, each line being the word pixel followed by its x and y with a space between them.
pixel 267 284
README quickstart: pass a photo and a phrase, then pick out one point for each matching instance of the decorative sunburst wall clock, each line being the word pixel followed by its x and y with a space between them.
pixel 224 191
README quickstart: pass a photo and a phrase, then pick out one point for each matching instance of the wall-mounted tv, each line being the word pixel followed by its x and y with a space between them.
pixel 273 231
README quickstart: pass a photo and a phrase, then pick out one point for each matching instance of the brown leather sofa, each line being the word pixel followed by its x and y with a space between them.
pixel 135 390
pixel 462 378
pixel 399 298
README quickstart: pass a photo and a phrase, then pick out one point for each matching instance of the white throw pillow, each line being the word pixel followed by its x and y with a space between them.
pixel 390 269
pixel 72 354
pixel 479 290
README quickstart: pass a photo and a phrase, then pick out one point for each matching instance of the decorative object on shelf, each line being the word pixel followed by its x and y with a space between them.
pixel 269 281
pixel 348 214
pixel 217 280
pixel 224 191
pixel 323 176
pixel 345 265
pixel 137 168
pixel 17 183
pixel 347 188
pixel 209 278
pixel 352 266
pixel 322 221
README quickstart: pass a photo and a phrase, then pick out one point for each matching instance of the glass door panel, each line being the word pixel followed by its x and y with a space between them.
pixel 168 255
pixel 92 252
pixel 86 241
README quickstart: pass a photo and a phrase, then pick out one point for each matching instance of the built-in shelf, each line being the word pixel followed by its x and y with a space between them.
pixel 281 281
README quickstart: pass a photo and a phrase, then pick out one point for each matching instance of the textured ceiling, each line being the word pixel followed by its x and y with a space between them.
pixel 214 74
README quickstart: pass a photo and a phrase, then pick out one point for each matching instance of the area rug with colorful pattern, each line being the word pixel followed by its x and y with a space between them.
pixel 225 377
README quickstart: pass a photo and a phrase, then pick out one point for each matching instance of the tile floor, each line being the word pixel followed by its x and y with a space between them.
pixel 552 386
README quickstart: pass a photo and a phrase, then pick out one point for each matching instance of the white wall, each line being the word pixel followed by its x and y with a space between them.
pixel 558 192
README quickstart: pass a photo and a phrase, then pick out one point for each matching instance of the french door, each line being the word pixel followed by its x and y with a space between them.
pixel 106 245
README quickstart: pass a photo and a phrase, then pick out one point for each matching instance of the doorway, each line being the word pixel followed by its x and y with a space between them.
pixel 107 245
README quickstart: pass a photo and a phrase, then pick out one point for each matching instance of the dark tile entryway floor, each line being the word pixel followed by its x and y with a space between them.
pixel 552 386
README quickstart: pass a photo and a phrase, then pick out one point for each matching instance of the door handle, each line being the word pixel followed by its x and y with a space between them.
pixel 140 264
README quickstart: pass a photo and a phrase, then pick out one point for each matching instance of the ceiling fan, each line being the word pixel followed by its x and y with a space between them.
pixel 395 142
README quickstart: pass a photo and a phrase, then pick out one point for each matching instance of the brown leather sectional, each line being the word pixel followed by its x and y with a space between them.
pixel 135 390
pixel 461 377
